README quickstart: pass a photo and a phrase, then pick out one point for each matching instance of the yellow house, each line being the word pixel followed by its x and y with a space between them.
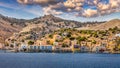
pixel 75 48
pixel 119 46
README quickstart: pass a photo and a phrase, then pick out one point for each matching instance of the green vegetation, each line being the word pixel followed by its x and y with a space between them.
pixel 94 42
pixel 30 43
pixel 48 41
pixel 65 38
pixel 72 38
pixel 65 45
pixel 81 38
pixel 50 36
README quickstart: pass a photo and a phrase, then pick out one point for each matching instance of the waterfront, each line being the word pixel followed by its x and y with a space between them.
pixel 59 60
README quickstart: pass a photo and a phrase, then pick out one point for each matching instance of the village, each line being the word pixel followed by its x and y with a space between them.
pixel 68 41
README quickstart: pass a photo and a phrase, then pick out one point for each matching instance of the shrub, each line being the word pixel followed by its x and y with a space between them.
pixel 30 43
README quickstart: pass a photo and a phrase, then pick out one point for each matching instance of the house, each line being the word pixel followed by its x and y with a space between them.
pixel 23 47
pixel 56 43
pixel 117 35
pixel 45 48
pixel 49 47
pixel 66 49
pixel 84 49
pixel 1 45
pixel 58 37
pixel 95 49
pixel 35 48
pixel 102 49
pixel 42 48
pixel 64 34
pixel 57 48
pixel 75 48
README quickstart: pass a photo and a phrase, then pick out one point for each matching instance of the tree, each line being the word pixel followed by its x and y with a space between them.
pixel 11 45
pixel 95 34
pixel 68 35
pixel 30 43
pixel 22 40
pixel 64 45
pixel 117 43
pixel 94 42
pixel 6 44
pixel 72 38
pixel 48 41
pixel 110 29
pixel 115 28
pixel 51 36
pixel 81 38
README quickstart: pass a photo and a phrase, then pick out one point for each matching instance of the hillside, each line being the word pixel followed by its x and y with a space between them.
pixel 107 25
pixel 36 28
pixel 8 26
pixel 50 22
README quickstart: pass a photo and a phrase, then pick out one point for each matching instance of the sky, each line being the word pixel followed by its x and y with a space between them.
pixel 78 10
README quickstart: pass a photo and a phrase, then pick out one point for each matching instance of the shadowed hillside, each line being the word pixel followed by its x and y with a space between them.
pixel 8 26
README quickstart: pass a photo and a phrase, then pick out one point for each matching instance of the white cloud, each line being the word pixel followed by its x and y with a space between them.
pixel 90 13
pixel 94 7
pixel 41 2
pixel 48 10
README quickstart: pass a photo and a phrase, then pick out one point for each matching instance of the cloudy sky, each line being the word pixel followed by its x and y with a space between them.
pixel 79 10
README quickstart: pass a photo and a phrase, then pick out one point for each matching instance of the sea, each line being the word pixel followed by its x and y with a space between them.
pixel 58 60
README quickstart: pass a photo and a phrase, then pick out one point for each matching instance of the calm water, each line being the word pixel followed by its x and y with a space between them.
pixel 50 60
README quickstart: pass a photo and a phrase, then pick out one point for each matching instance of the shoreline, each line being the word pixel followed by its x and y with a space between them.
pixel 7 51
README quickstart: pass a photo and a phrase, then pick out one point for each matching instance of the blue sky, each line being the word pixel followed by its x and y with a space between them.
pixel 89 12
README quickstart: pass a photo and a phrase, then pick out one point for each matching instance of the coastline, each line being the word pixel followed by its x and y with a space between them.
pixel 8 51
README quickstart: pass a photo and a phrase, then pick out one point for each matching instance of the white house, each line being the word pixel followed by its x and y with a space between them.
pixel 117 35
pixel 33 47
pixel 55 43
pixel 49 47
pixel 40 48
pixel 46 48
pixel 23 46
pixel 96 49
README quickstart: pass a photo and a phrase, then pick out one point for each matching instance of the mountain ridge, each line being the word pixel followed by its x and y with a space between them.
pixel 107 25
pixel 36 27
